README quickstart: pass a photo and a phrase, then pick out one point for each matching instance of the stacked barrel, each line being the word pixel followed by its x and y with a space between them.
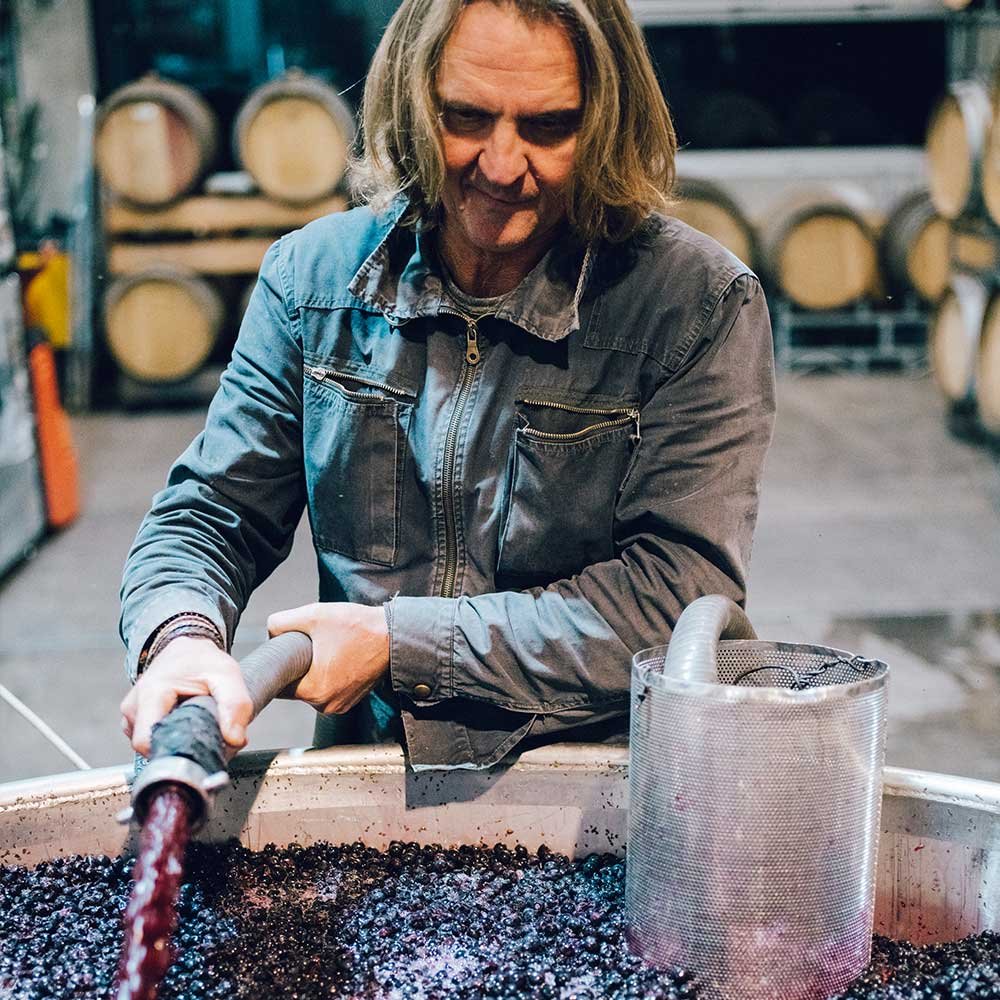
pixel 963 151
pixel 828 246
pixel 851 269
pixel 178 253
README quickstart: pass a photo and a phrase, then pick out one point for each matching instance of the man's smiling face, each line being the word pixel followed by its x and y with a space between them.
pixel 509 92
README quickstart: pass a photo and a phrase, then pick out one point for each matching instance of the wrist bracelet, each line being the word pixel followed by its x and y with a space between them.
pixel 186 623
pixel 190 631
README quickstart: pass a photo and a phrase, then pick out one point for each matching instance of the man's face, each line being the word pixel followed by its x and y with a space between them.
pixel 509 92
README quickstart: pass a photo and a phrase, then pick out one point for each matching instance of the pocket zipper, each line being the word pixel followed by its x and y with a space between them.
pixel 338 378
pixel 618 417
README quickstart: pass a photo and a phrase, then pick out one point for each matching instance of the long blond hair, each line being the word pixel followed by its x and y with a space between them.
pixel 625 148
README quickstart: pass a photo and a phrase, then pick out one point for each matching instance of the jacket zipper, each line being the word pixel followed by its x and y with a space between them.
pixel 468 377
pixel 338 378
pixel 618 417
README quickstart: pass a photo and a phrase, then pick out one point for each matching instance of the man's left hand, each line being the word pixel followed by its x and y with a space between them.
pixel 350 652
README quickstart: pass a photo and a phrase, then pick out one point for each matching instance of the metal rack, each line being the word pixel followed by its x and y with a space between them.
pixel 860 338
pixel 974 247
pixel 974 42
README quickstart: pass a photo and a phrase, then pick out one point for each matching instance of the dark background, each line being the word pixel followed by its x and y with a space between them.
pixel 729 86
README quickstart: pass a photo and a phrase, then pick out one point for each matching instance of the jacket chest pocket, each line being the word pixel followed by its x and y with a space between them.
pixel 355 446
pixel 568 466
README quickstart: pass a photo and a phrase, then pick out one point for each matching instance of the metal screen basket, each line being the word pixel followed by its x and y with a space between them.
pixel 755 787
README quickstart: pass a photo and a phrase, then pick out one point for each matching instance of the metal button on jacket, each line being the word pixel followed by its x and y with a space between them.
pixel 421 691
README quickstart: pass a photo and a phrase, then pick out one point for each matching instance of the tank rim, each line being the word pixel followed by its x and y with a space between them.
pixel 112 782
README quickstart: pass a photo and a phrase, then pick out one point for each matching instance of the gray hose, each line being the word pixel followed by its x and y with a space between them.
pixel 187 746
pixel 691 654
pixel 271 668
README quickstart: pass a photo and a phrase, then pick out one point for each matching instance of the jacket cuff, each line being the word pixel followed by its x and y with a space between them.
pixel 157 611
pixel 421 647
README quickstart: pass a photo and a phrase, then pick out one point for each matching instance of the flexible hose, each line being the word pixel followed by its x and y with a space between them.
pixel 691 654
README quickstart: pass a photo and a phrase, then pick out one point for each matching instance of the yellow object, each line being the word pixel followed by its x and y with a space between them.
pixel 46 294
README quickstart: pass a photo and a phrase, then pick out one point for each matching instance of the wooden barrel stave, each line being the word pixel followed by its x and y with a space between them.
pixel 154 141
pixel 953 337
pixel 991 157
pixel 819 248
pixel 956 146
pixel 708 208
pixel 161 324
pixel 987 376
pixel 293 135
pixel 914 247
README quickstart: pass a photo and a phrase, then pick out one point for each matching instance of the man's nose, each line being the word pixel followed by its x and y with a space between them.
pixel 503 161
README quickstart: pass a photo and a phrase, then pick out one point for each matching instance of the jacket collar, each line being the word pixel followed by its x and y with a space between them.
pixel 401 279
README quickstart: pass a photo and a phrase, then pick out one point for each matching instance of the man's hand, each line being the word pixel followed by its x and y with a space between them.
pixel 187 667
pixel 350 652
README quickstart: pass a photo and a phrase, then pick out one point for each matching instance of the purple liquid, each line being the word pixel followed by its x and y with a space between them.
pixel 152 908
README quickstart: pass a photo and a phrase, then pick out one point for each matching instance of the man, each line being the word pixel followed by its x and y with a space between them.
pixel 527 414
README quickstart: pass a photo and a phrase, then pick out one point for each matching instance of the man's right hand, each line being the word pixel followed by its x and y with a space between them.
pixel 187 667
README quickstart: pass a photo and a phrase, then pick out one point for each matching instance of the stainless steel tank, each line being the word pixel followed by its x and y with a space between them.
pixel 938 872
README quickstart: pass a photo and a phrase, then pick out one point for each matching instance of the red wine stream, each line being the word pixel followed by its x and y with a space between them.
pixel 152 908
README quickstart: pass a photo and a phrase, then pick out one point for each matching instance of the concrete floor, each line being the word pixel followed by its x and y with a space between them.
pixel 879 534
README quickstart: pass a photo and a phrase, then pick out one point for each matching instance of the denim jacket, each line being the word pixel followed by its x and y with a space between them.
pixel 535 495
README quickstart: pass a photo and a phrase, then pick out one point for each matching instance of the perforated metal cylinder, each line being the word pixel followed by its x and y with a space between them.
pixel 754 818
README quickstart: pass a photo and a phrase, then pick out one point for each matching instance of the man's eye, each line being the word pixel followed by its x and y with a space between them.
pixel 548 133
pixel 463 122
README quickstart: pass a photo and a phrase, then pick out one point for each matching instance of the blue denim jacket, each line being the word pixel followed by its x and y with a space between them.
pixel 537 495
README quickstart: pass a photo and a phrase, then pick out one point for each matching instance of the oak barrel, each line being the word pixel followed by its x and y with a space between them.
pixel 991 155
pixel 987 376
pixel 914 247
pixel 293 135
pixel 161 324
pixel 956 145
pixel 953 337
pixel 708 208
pixel 819 247
pixel 154 141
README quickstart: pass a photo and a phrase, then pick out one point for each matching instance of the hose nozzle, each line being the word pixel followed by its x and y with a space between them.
pixel 187 749
pixel 201 784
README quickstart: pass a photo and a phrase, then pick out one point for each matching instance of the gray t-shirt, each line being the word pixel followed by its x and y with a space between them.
pixel 470 305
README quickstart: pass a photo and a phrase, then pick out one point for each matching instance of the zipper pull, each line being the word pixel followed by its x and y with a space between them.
pixel 317 373
pixel 472 343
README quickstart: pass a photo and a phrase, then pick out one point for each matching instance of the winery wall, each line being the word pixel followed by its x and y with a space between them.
pixel 791 100
pixel 55 64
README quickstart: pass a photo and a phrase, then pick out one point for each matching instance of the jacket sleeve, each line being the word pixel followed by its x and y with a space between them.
pixel 228 514
pixel 683 528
